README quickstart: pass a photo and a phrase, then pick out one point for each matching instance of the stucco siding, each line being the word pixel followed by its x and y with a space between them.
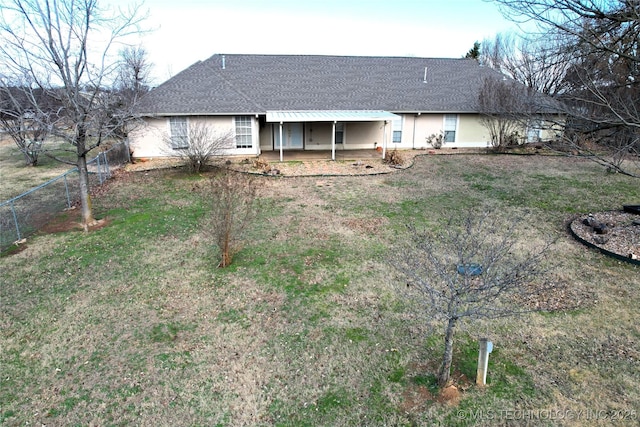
pixel 150 139
pixel 317 136
pixel 365 135
pixel 147 138
pixel 426 125
pixel 471 132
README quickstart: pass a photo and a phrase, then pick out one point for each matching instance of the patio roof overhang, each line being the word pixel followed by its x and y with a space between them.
pixel 333 116
pixel 287 116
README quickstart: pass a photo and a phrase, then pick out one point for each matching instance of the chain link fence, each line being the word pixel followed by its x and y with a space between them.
pixel 31 210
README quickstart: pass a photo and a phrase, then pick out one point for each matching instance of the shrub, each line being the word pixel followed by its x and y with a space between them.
pixel 394 158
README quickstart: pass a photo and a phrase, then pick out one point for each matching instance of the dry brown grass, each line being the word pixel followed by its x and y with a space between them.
pixel 18 178
pixel 134 324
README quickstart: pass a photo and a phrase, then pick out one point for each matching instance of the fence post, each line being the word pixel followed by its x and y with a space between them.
pixel 15 220
pixel 107 172
pixel 126 148
pixel 66 189
pixel 97 159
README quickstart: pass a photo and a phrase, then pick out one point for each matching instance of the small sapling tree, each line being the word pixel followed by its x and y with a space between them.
pixel 233 209
pixel 474 268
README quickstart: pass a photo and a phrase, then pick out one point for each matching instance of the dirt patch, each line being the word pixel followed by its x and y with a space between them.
pixel 416 398
pixel 71 220
pixel 291 168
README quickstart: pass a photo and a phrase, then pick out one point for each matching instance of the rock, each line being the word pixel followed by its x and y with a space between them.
pixel 601 228
pixel 601 239
pixel 590 221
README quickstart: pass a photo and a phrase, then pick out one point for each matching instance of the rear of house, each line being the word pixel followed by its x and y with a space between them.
pixel 306 102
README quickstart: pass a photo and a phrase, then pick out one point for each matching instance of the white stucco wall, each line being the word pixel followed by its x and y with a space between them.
pixel 149 139
pixel 418 127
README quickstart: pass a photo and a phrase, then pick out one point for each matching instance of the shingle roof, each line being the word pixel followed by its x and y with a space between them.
pixel 252 84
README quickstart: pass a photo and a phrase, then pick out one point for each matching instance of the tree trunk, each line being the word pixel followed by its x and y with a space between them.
pixel 445 368
pixel 85 197
pixel 225 246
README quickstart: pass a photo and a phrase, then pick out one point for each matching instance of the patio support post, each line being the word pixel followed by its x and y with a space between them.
pixel 384 140
pixel 255 134
pixel 333 141
pixel 281 141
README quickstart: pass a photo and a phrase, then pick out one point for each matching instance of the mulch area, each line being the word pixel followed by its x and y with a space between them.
pixel 288 168
pixel 621 234
pixel 293 166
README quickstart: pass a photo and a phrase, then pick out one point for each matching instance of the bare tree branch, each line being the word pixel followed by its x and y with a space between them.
pixel 602 76
pixel 64 48
pixel 476 267
pixel 197 144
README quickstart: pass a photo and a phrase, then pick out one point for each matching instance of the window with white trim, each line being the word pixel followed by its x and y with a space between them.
pixel 244 137
pixel 397 131
pixel 179 131
pixel 450 127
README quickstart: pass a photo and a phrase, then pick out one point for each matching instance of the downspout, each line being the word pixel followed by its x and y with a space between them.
pixel 333 141
pixel 256 128
pixel 281 142
pixel 384 140
pixel 413 142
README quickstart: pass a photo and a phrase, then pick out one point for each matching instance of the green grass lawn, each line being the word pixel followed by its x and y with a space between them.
pixel 133 324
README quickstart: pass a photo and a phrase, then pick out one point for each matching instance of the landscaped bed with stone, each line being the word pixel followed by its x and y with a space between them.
pixel 614 232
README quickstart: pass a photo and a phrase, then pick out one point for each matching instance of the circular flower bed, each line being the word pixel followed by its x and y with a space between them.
pixel 614 233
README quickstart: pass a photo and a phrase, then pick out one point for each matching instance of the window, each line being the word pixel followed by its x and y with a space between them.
pixel 397 131
pixel 179 132
pixel 339 133
pixel 450 127
pixel 244 138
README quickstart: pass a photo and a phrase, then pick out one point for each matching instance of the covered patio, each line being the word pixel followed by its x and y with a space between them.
pixel 329 116
pixel 309 155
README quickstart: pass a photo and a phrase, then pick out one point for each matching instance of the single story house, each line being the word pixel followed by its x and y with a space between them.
pixel 316 102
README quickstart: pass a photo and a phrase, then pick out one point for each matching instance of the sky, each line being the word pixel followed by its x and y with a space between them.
pixel 185 31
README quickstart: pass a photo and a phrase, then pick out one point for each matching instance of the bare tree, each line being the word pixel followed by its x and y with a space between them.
pixel 64 46
pixel 474 268
pixel 196 143
pixel 24 125
pixel 132 83
pixel 509 110
pixel 233 209
pixel 603 78
pixel 538 63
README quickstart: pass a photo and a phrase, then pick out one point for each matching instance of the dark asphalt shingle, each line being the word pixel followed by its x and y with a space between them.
pixel 250 84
